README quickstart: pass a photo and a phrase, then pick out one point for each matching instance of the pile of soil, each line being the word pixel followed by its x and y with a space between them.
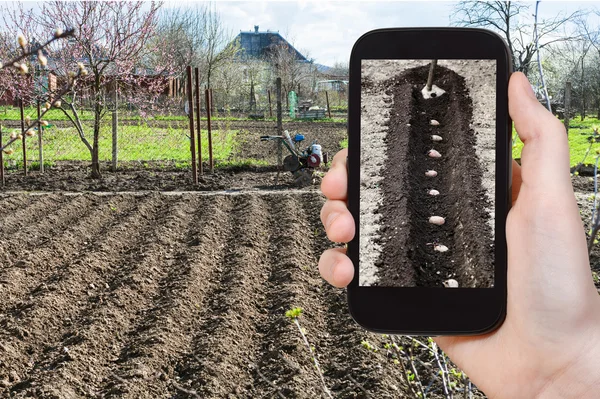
pixel 408 258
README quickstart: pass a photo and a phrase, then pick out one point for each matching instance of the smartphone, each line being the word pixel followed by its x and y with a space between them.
pixel 429 180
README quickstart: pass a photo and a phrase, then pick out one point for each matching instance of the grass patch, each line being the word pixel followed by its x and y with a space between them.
pixel 136 143
pixel 579 131
pixel 344 143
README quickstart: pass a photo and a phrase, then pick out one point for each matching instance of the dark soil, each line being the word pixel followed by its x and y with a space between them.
pixel 158 296
pixel 150 176
pixel 407 259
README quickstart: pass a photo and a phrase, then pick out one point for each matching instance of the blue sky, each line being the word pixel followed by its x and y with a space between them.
pixel 328 29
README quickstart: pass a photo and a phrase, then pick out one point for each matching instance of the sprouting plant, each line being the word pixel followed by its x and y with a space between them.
pixel 367 345
pixel 293 314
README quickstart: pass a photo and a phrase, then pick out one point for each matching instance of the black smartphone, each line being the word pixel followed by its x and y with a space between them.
pixel 429 180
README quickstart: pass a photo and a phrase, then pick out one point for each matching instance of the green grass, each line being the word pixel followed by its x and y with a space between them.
pixel 578 143
pixel 136 143
pixel 344 143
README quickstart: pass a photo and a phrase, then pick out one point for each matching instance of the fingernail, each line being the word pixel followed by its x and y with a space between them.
pixel 330 219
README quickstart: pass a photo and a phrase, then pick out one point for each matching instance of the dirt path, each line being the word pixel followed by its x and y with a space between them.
pixel 145 296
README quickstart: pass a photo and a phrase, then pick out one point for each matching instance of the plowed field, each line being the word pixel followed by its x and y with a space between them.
pixel 175 296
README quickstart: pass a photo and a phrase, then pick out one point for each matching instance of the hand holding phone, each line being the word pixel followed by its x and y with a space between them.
pixel 548 341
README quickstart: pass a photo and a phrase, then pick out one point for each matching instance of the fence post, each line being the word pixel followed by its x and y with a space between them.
pixel 1 160
pixel 190 98
pixel 270 107
pixel 115 131
pixel 567 105
pixel 210 149
pixel 40 142
pixel 328 109
pixel 279 128
pixel 199 138
pixel 23 135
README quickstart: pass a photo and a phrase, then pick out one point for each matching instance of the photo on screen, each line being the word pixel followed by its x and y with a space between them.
pixel 427 159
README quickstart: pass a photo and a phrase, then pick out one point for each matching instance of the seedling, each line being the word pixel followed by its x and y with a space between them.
pixel 293 314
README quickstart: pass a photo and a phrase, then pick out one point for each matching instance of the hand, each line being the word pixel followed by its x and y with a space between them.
pixel 549 344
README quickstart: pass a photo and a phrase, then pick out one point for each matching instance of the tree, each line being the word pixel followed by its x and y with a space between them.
pixel 109 41
pixel 286 64
pixel 513 22
pixel 196 36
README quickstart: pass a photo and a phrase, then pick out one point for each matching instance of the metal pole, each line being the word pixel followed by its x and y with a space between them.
pixel 115 131
pixel 210 149
pixel 198 114
pixel 23 135
pixel 328 109
pixel 270 106
pixel 430 77
pixel 40 143
pixel 279 128
pixel 190 94
pixel 1 160
pixel 567 105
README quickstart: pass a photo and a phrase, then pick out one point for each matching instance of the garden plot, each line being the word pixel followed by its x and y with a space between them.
pixel 179 296
pixel 434 211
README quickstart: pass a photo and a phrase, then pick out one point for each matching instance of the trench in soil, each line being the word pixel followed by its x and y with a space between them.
pixel 407 259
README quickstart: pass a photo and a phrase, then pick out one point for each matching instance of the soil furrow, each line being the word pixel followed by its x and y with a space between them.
pixel 409 258
pixel 94 340
pixel 164 336
pixel 54 317
pixel 227 341
pixel 37 251
pixel 32 211
pixel 351 371
pixel 285 366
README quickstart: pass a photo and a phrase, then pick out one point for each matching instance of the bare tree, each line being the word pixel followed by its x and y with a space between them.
pixel 511 20
pixel 109 41
pixel 287 64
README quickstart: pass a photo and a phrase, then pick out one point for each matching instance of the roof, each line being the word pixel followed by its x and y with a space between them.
pixel 256 44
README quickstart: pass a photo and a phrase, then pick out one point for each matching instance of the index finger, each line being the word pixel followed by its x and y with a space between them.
pixel 335 183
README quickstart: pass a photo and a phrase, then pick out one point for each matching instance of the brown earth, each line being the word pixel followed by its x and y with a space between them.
pixel 155 295
pixel 408 258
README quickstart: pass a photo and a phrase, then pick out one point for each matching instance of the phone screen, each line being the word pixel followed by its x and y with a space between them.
pixel 427 173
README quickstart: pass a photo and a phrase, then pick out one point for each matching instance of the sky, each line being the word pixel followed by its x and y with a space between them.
pixel 326 30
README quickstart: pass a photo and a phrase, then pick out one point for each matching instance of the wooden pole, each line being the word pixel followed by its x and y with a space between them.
pixel 210 149
pixel 190 99
pixel 270 106
pixel 40 142
pixel 115 131
pixel 198 115
pixel 430 77
pixel 23 135
pixel 1 160
pixel 567 105
pixel 328 109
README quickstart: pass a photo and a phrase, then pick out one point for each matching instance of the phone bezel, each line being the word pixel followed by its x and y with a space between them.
pixel 423 310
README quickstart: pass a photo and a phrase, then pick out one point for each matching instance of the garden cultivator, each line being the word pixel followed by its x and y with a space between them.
pixel 300 163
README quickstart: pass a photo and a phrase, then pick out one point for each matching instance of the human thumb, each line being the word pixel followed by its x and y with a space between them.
pixel 545 155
